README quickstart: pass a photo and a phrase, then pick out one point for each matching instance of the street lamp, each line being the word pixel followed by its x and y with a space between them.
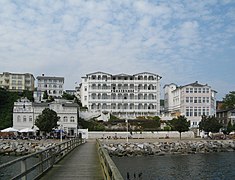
pixel 127 130
pixel 60 130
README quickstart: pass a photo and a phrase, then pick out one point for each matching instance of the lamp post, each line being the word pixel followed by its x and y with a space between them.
pixel 61 137
pixel 127 130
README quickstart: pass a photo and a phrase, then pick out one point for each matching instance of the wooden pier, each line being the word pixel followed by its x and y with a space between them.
pixel 82 163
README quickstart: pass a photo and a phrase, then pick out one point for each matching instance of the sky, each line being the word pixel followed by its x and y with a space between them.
pixel 181 40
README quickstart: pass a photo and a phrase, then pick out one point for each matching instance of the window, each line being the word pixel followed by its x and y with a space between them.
pixel 72 119
pixel 203 90
pixel 195 90
pixel 203 99
pixel 203 111
pixel 194 123
pixel 191 99
pixel 65 119
pixel 187 90
pixel 30 119
pixel 191 90
pixel 195 111
pixel 24 118
pixel 207 99
pixel 199 111
pixel 191 111
pixel 207 90
pixel 85 98
pixel 187 111
pixel 199 100
pixel 199 90
pixel 195 99
pixel 85 88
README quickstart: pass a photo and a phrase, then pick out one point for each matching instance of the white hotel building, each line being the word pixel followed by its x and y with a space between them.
pixel 192 100
pixel 122 95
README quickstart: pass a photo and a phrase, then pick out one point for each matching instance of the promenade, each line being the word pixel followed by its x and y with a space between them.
pixel 82 163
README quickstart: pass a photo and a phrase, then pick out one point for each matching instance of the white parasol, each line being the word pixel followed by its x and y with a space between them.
pixel 10 129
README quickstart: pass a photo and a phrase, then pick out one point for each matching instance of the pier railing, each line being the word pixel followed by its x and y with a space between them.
pixel 33 166
pixel 110 170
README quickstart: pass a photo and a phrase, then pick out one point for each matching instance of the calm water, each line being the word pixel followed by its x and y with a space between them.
pixel 11 171
pixel 215 166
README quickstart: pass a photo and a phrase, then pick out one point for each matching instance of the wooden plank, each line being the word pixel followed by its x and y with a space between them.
pixel 81 163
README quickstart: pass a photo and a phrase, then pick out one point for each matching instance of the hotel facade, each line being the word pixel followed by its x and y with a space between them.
pixel 122 95
pixel 17 82
pixel 192 100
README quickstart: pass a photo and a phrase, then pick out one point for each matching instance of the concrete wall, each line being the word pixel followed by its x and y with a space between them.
pixel 155 134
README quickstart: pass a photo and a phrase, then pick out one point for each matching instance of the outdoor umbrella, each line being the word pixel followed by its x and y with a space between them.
pixel 26 130
pixel 10 129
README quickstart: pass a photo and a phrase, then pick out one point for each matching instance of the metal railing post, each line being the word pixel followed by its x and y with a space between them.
pixel 23 167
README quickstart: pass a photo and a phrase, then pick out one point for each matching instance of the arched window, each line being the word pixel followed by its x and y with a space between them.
pixel 72 119
pixel 65 119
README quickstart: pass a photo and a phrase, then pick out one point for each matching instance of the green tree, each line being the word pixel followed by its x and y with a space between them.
pixel 229 100
pixel 47 120
pixel 229 128
pixel 45 95
pixel 210 124
pixel 68 96
pixel 180 124
pixel 7 100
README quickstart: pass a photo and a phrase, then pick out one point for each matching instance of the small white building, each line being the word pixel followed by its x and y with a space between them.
pixel 25 114
pixel 191 100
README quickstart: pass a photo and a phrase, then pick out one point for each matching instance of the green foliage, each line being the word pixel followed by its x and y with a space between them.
pixel 7 100
pixel 92 125
pixel 47 120
pixel 229 128
pixel 229 100
pixel 180 124
pixel 45 95
pixel 68 96
pixel 210 124
pixel 113 118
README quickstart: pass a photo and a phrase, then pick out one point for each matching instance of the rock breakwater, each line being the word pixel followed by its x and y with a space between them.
pixel 18 148
pixel 175 147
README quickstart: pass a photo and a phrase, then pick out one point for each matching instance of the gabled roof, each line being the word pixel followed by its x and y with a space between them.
pixel 195 84
pixel 98 72
pixel 122 74
pixel 146 73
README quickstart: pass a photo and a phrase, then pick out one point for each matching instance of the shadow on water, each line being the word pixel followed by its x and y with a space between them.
pixel 214 166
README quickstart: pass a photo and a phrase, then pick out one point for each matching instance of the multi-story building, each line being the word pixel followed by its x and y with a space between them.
pixel 16 81
pixel 25 114
pixel 192 100
pixel 226 115
pixel 53 85
pixel 122 95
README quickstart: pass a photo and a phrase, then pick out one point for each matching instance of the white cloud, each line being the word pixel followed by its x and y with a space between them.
pixel 176 39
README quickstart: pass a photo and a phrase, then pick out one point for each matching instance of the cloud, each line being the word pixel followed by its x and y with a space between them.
pixel 175 39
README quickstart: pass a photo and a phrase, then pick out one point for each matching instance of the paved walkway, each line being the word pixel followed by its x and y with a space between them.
pixel 82 163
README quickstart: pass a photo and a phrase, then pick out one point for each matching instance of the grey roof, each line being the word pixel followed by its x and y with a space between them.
pixel 99 72
pixel 49 77
pixel 45 104
pixel 195 84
